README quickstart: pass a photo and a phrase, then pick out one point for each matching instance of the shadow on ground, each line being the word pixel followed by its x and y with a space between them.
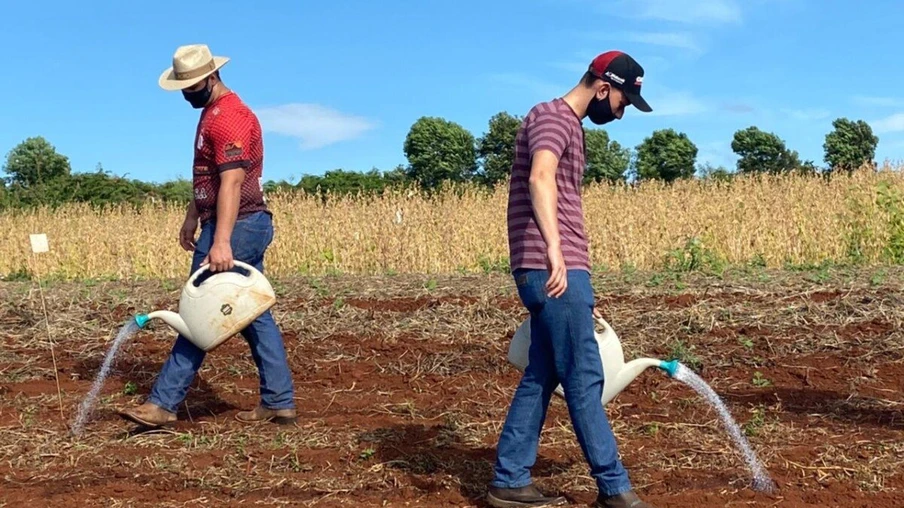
pixel 838 406
pixel 202 399
pixel 427 453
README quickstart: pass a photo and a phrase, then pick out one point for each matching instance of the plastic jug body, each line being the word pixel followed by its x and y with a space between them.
pixel 215 309
pixel 224 304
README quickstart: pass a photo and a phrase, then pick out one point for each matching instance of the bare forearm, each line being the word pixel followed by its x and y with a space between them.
pixel 227 210
pixel 192 212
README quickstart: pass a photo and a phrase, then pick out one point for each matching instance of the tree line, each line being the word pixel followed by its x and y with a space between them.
pixel 442 151
pixel 438 149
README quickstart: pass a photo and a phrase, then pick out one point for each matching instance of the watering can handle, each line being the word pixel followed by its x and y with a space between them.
pixel 252 271
pixel 602 322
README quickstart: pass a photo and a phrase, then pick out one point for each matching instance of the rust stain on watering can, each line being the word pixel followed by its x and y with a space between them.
pixel 228 321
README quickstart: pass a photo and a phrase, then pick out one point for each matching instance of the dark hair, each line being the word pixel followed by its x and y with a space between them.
pixel 589 78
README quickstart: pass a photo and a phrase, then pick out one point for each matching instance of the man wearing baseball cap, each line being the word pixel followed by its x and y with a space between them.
pixel 551 268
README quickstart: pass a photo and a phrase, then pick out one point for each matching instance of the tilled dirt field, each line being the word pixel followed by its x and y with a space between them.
pixel 402 387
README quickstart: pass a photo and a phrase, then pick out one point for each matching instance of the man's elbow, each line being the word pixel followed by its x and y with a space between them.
pixel 543 168
pixel 232 179
pixel 541 177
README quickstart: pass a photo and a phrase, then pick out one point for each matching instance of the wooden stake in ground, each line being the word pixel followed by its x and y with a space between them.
pixel 39 245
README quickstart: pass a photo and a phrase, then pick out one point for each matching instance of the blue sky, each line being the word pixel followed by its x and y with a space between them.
pixel 338 84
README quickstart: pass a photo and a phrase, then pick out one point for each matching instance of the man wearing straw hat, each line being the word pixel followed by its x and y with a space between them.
pixel 229 205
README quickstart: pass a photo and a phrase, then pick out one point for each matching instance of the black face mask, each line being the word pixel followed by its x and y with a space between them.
pixel 600 111
pixel 198 99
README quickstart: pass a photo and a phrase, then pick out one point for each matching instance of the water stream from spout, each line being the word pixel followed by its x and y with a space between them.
pixel 87 405
pixel 761 480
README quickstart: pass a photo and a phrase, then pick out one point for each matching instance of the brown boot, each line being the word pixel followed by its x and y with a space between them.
pixel 624 500
pixel 263 414
pixel 148 414
pixel 523 496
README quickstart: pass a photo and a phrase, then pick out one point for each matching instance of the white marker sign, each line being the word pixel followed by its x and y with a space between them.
pixel 39 243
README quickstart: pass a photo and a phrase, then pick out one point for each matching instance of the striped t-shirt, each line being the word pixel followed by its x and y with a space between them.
pixel 554 126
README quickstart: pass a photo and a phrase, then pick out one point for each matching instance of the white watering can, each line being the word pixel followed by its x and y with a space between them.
pixel 218 308
pixel 616 373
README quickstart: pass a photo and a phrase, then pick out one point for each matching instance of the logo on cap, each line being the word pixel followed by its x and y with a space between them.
pixel 615 77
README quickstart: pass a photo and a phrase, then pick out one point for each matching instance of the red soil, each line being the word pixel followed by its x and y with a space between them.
pixel 393 396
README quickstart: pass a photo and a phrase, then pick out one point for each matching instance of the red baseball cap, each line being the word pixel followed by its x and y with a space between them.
pixel 623 72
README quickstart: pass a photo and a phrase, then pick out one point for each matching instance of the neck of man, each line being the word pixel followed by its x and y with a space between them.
pixel 578 98
pixel 218 91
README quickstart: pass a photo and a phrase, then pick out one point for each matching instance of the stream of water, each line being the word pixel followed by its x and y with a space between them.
pixel 87 405
pixel 761 480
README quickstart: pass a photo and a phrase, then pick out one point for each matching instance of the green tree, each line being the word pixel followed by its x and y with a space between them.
pixel 606 159
pixel 101 188
pixel 53 193
pixel 439 150
pixel 762 152
pixel 849 145
pixel 343 182
pixel 281 185
pixel 179 190
pixel 718 173
pixel 5 197
pixel 666 155
pixel 808 167
pixel 397 177
pixel 35 161
pixel 496 148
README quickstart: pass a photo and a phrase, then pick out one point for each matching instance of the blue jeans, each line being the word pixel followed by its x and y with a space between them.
pixel 562 350
pixel 250 238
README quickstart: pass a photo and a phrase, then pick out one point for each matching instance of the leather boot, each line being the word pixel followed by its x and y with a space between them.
pixel 263 414
pixel 624 500
pixel 522 496
pixel 148 414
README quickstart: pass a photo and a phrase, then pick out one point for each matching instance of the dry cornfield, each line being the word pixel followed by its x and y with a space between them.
pixel 767 220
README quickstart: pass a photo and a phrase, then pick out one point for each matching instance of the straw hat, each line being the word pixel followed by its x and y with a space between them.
pixel 191 64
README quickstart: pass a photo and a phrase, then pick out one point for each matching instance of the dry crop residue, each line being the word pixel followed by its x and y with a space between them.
pixel 401 390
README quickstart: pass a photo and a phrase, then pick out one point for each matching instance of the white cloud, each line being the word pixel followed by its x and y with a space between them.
pixel 314 125
pixel 680 40
pixel 807 114
pixel 892 123
pixel 677 40
pixel 683 11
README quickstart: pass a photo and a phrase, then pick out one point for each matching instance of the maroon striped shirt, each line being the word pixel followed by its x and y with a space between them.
pixel 553 126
